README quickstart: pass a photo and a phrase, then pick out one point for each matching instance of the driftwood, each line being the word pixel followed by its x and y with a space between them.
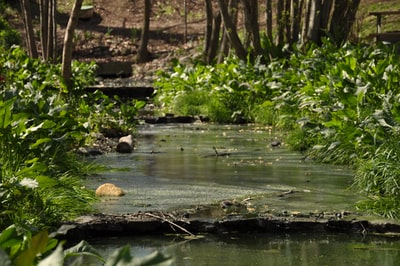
pixel 125 144
pixel 169 222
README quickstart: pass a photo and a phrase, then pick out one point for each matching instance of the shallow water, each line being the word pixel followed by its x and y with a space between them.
pixel 175 166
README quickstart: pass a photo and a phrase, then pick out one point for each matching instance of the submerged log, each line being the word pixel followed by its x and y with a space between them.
pixel 125 144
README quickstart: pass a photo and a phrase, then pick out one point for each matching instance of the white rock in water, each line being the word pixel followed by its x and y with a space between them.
pixel 109 189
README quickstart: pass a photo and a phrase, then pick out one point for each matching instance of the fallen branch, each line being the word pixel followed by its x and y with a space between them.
pixel 171 223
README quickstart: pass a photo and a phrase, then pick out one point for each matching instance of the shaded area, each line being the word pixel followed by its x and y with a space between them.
pixel 166 223
pixel 263 249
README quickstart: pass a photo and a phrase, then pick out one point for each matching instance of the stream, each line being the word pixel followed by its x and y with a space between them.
pixel 176 167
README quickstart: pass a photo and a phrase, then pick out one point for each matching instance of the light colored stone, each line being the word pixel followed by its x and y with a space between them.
pixel 109 189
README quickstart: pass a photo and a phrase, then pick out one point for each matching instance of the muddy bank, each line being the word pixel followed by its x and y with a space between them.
pixel 156 223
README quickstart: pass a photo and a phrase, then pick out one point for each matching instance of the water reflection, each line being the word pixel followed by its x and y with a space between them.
pixel 265 249
pixel 175 166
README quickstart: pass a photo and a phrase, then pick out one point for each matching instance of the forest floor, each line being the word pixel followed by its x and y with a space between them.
pixel 113 33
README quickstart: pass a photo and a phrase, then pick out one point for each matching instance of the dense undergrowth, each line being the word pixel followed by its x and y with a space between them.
pixel 340 105
pixel 41 176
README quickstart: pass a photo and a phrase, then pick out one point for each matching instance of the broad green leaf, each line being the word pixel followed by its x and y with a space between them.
pixel 6 235
pixel 36 246
pixel 5 113
pixel 39 142
pixel 83 248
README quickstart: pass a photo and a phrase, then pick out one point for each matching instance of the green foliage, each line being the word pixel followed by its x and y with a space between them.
pixel 41 123
pixel 339 104
pixel 19 247
pixel 226 92
pixel 39 178
pixel 379 178
pixel 8 35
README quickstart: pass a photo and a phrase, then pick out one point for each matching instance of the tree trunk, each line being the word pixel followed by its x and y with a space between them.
pixel 287 22
pixel 251 23
pixel 52 35
pixel 280 23
pixel 231 31
pixel 48 29
pixel 296 9
pixel 143 54
pixel 214 41
pixel 68 43
pixel 314 22
pixel 326 10
pixel 305 18
pixel 208 31
pixel 225 46
pixel 213 27
pixel 44 27
pixel 343 18
pixel 268 15
pixel 30 37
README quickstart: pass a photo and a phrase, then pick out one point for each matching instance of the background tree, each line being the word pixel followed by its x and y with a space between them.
pixel 143 54
pixel 48 29
pixel 233 8
pixel 68 43
pixel 231 31
pixel 319 19
pixel 29 33
pixel 212 32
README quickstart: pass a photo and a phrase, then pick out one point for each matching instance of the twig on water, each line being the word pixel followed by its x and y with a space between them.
pixel 171 223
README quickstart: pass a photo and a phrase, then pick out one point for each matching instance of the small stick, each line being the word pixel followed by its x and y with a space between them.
pixel 171 223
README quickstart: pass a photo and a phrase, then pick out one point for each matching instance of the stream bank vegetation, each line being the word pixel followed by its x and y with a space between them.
pixel 42 123
pixel 340 105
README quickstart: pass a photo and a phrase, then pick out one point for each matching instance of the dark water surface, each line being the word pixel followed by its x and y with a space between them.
pixel 175 167
pixel 264 249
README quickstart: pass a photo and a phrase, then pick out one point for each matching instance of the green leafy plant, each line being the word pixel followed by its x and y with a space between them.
pixel 19 247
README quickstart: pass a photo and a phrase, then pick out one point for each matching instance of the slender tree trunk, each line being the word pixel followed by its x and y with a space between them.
pixel 213 27
pixel 296 8
pixel 287 22
pixel 214 41
pixel 280 23
pixel 268 18
pixel 208 31
pixel 251 23
pixel 143 54
pixel 52 35
pixel 30 37
pixel 231 31
pixel 305 18
pixel 247 23
pixel 44 27
pixel 314 22
pixel 68 43
pixel 326 10
pixel 225 45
